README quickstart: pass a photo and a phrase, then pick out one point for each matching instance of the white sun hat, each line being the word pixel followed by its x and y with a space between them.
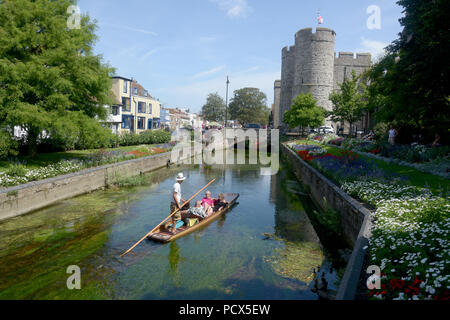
pixel 181 177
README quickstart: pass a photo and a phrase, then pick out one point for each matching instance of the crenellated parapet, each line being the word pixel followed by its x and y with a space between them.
pixel 347 62
pixel 350 59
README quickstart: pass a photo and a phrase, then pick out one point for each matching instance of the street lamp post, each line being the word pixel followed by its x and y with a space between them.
pixel 226 104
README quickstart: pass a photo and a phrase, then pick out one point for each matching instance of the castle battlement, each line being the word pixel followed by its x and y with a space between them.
pixel 310 32
pixel 350 58
pixel 287 51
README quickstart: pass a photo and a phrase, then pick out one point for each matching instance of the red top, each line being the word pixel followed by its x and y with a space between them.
pixel 209 202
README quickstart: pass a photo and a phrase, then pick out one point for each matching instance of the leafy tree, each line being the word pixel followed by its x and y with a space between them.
pixel 249 105
pixel 410 85
pixel 350 102
pixel 214 108
pixel 8 146
pixel 304 112
pixel 48 72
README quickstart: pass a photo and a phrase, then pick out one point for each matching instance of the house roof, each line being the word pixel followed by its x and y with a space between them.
pixel 119 77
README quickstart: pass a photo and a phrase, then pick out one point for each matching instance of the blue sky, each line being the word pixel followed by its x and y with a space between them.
pixel 181 50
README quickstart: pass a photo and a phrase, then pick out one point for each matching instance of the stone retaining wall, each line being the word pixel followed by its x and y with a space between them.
pixel 356 219
pixel 36 195
pixel 32 196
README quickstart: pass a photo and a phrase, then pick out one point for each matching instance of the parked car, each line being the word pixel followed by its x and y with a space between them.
pixel 326 129
pixel 252 126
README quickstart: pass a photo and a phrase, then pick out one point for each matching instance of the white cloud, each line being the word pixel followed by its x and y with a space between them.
pixel 207 73
pixel 149 53
pixel 234 8
pixel 129 28
pixel 374 47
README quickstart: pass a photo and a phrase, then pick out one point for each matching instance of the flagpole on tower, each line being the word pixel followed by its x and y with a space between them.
pixel 319 18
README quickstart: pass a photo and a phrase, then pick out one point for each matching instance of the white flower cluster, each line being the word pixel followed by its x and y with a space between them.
pixel 317 152
pixel 62 167
pixel 409 250
pixel 410 236
pixel 374 192
pixel 329 137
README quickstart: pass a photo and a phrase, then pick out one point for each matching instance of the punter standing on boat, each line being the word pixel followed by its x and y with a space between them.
pixel 177 201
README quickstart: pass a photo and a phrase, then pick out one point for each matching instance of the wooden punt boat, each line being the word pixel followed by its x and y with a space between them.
pixel 163 235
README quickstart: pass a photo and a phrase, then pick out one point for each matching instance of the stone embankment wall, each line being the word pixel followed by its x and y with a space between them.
pixel 356 220
pixel 32 196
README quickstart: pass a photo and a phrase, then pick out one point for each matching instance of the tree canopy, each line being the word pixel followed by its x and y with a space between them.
pixel 48 72
pixel 214 108
pixel 249 105
pixel 304 112
pixel 410 85
pixel 350 102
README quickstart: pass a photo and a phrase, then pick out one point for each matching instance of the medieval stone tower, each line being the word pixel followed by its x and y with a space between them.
pixel 311 66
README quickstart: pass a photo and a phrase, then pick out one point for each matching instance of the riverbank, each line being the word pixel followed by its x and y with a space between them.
pixel 412 219
pixel 31 196
pixel 48 165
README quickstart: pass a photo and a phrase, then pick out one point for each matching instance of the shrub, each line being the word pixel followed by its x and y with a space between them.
pixel 380 132
pixel 78 131
pixel 92 135
pixel 8 146
pixel 62 134
pixel 16 170
pixel 147 137
pixel 128 139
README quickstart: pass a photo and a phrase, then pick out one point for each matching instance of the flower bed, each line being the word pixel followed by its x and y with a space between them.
pixel 426 159
pixel 18 174
pixel 344 167
pixel 410 238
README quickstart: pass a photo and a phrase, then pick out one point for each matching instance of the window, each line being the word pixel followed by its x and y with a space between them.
pixel 136 91
pixel 125 86
pixel 115 110
pixel 150 107
pixel 150 124
pixel 141 123
pixel 141 107
pixel 127 122
pixel 156 123
pixel 126 104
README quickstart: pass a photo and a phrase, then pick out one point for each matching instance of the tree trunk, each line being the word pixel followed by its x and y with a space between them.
pixel 33 134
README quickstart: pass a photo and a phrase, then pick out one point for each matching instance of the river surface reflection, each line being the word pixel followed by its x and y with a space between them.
pixel 265 248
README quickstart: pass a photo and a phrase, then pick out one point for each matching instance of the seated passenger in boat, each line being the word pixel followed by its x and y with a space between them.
pixel 208 203
pixel 220 203
pixel 208 199
pixel 197 212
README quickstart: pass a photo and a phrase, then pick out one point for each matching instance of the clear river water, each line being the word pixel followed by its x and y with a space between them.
pixel 264 248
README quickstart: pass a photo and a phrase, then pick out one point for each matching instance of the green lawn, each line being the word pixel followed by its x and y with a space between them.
pixel 415 177
pixel 44 159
